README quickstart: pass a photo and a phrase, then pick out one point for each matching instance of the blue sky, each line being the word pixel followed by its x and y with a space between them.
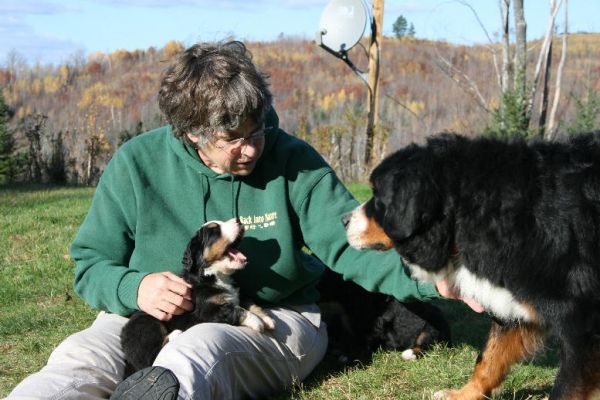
pixel 52 31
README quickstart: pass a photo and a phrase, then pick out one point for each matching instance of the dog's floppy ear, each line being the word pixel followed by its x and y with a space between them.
pixel 414 205
pixel 193 257
pixel 408 196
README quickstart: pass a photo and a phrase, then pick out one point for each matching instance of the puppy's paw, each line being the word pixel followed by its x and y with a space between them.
pixel 174 334
pixel 252 321
pixel 269 322
pixel 409 355
pixel 343 359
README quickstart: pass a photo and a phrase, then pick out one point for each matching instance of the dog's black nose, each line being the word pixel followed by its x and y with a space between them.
pixel 346 219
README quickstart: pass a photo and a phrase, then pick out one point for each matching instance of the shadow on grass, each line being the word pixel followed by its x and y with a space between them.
pixel 472 329
pixel 468 328
pixel 328 368
pixel 529 394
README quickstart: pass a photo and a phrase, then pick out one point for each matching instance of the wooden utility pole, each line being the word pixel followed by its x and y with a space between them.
pixel 374 53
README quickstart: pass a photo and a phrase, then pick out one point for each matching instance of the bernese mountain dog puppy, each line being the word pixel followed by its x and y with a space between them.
pixel 360 322
pixel 209 260
pixel 514 225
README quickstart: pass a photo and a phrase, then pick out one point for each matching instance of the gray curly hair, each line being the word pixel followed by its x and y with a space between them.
pixel 213 87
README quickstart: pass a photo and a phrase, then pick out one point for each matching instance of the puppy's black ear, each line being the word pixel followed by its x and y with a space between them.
pixel 193 259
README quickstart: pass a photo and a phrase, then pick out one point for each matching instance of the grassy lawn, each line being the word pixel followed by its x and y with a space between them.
pixel 38 309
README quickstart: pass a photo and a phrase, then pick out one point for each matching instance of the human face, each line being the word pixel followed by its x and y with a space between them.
pixel 235 152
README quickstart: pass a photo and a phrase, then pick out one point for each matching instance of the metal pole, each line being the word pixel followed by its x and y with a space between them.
pixel 374 53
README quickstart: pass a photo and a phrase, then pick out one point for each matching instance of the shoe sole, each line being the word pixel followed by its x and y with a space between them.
pixel 152 383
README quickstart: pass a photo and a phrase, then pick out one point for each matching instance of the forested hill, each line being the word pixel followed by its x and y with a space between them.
pixel 88 107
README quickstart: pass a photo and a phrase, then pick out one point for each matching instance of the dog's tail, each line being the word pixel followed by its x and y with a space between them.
pixel 142 338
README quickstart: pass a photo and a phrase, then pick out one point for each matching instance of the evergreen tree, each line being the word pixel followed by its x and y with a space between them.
pixel 587 112
pixel 411 31
pixel 510 119
pixel 400 27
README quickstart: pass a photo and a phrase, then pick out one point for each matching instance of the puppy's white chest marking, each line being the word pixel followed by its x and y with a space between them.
pixel 232 292
pixel 224 282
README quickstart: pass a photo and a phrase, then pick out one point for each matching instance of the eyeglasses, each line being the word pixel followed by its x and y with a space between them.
pixel 237 144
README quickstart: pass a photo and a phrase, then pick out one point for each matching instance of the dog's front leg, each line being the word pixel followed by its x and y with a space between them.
pixel 505 346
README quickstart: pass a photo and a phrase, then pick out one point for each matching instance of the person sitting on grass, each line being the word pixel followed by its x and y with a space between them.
pixel 222 155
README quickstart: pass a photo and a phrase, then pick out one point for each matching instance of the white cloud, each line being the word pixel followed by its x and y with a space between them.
pixel 21 38
pixel 226 4
pixel 40 7
pixel 254 5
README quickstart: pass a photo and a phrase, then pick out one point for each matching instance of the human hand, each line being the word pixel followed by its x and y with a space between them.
pixel 450 292
pixel 163 295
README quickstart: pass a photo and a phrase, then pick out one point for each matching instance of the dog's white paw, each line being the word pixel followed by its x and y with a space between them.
pixel 252 321
pixel 409 355
pixel 450 394
pixel 269 322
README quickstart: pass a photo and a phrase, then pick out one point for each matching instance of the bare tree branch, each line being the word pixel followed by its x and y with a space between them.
pixel 505 77
pixel 463 80
pixel 543 111
pixel 543 52
pixel 552 127
pixel 470 7
pixel 418 118
pixel 492 46
pixel 520 72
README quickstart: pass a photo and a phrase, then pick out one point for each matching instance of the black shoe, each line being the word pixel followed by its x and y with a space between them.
pixel 152 383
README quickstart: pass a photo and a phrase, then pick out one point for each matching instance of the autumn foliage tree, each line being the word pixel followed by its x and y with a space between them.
pixel 95 104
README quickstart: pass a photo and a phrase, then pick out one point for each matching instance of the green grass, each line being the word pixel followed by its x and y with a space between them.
pixel 391 377
pixel 38 309
pixel 37 305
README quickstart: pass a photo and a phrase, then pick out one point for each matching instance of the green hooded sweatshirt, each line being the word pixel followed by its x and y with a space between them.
pixel 156 192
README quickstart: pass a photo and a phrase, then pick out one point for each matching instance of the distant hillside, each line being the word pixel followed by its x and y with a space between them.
pixel 107 98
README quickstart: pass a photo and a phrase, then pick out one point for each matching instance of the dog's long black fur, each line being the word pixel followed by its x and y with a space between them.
pixel 523 217
pixel 360 322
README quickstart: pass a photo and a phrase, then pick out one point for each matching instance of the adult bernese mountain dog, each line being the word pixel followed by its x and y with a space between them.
pixel 209 260
pixel 360 322
pixel 514 225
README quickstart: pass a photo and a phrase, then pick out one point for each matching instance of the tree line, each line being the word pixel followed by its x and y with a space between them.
pixel 62 123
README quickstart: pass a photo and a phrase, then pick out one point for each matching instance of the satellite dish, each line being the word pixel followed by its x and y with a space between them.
pixel 343 24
